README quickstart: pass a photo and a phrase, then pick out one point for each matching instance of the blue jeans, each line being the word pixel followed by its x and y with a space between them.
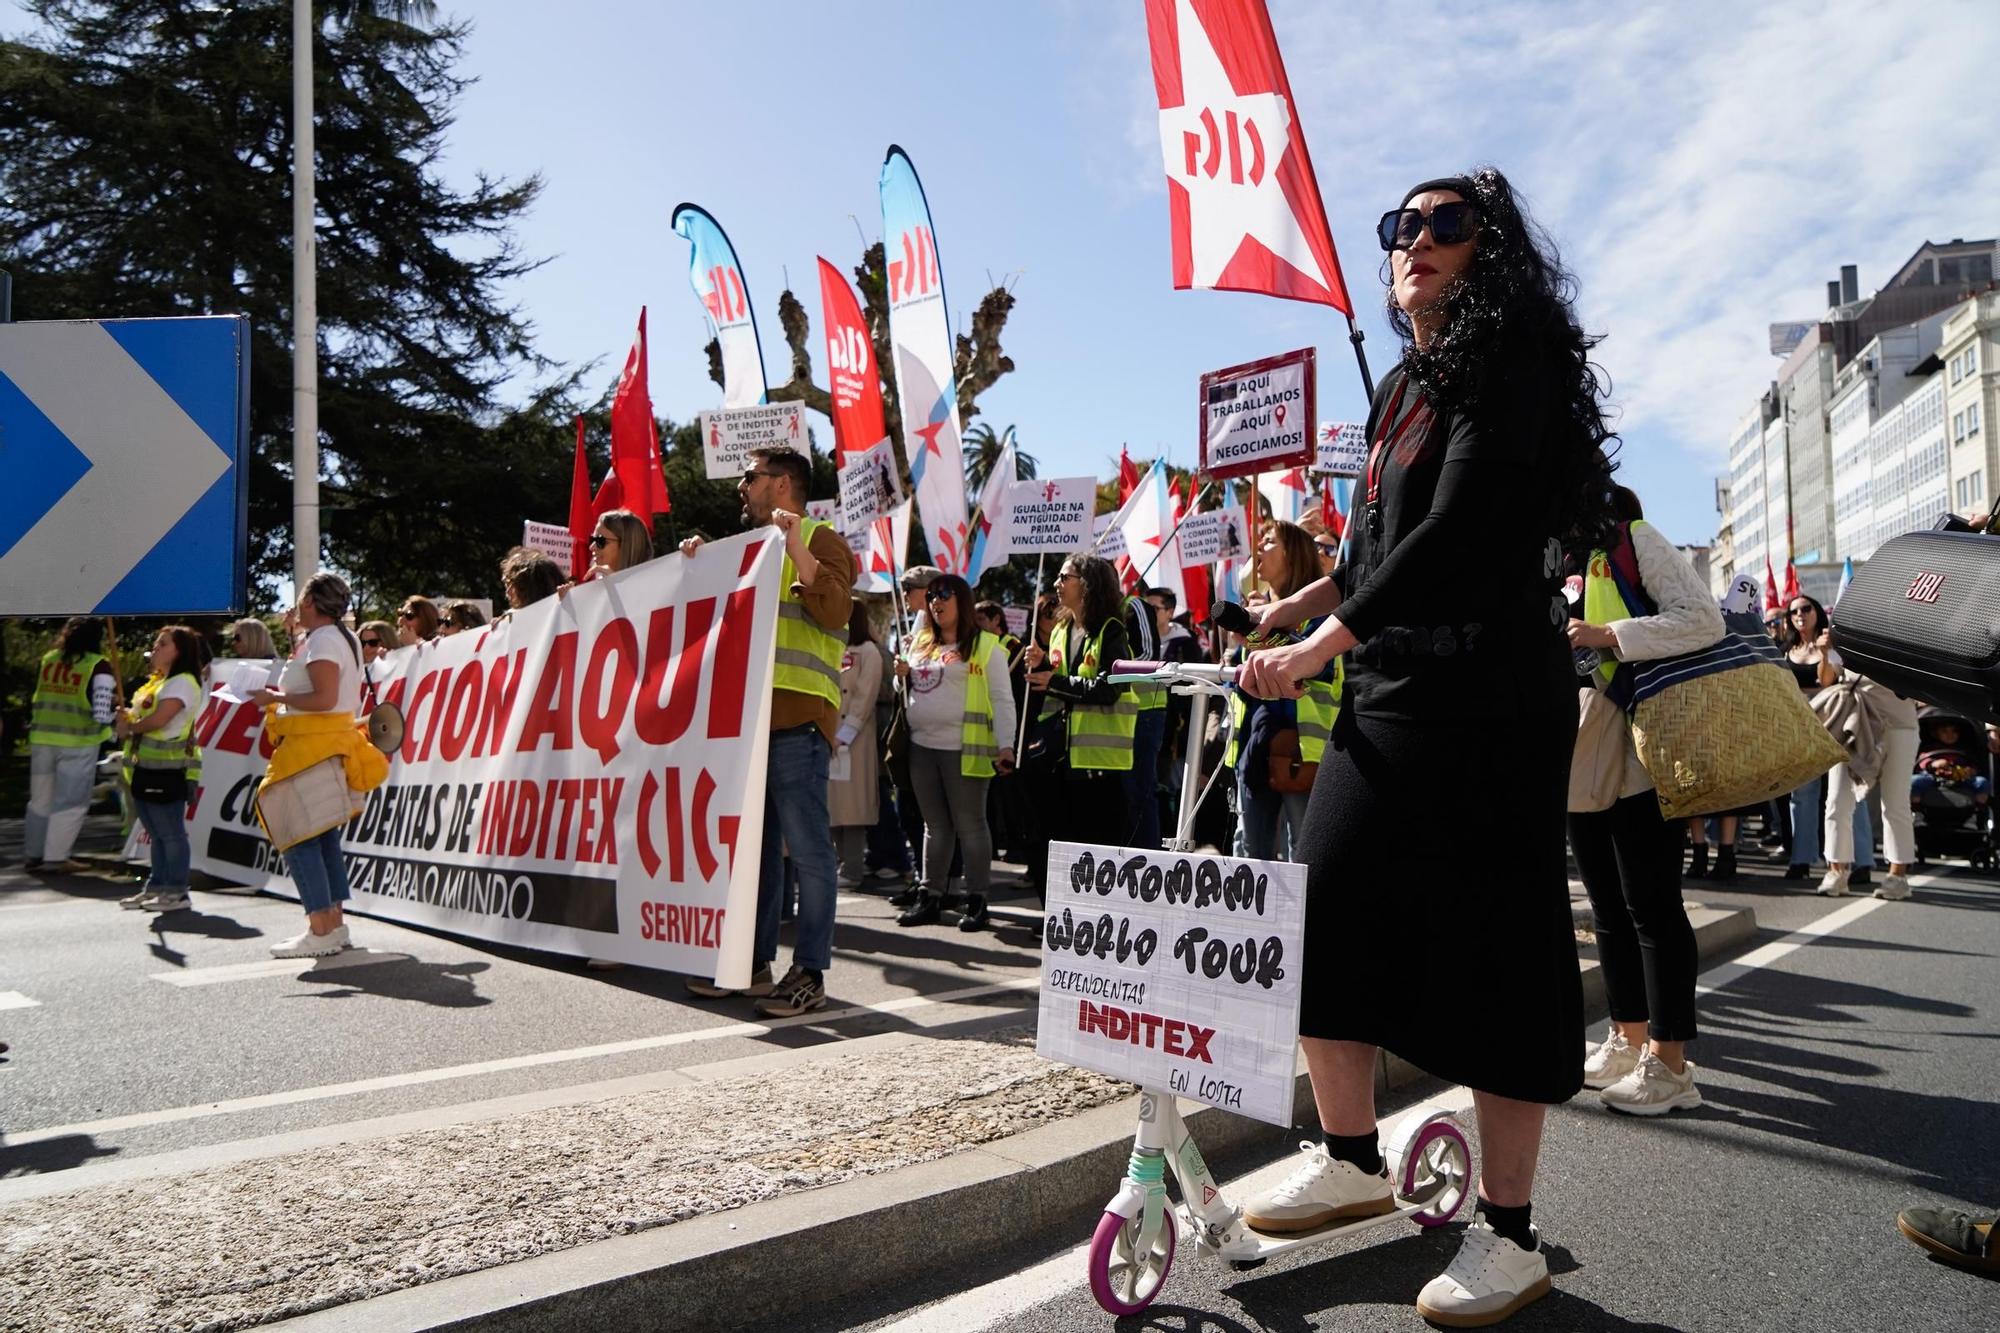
pixel 1864 837
pixel 1268 822
pixel 1805 823
pixel 166 825
pixel 795 817
pixel 319 870
pixel 1142 784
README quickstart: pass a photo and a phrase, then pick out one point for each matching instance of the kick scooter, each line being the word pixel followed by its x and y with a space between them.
pixel 1430 1163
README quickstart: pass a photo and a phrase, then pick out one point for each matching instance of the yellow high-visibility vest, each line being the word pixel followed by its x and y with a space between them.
pixel 1101 736
pixel 61 715
pixel 809 655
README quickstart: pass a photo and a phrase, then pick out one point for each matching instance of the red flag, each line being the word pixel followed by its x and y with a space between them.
pixel 635 438
pixel 610 496
pixel 1246 210
pixel 1792 592
pixel 581 518
pixel 1128 476
pixel 1196 595
pixel 853 381
pixel 1771 600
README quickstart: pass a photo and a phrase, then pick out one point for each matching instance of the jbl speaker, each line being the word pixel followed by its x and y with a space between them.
pixel 1923 618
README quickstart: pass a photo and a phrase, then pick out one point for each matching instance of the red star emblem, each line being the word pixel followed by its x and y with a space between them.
pixel 928 434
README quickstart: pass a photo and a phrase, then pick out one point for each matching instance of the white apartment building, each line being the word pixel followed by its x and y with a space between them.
pixel 1970 339
pixel 1744 497
pixel 1873 474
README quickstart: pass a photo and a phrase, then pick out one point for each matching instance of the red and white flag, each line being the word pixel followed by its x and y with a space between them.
pixel 1128 475
pixel 635 438
pixel 1246 210
pixel 853 380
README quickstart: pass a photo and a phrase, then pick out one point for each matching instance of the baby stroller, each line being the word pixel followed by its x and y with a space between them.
pixel 1951 789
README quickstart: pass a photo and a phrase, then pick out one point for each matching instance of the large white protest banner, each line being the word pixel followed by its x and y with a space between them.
pixel 1046 514
pixel 1176 971
pixel 1212 536
pixel 869 485
pixel 1343 448
pixel 1259 416
pixel 728 435
pixel 586 776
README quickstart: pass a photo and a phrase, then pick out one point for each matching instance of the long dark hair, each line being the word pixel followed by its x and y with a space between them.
pixel 1101 597
pixel 191 652
pixel 961 597
pixel 1513 323
pixel 80 635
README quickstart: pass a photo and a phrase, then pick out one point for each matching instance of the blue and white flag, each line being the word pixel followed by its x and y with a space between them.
pixel 725 297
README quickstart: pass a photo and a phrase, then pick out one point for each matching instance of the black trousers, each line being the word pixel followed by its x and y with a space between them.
pixel 1630 859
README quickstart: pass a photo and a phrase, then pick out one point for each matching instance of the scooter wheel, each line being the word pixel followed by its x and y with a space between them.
pixel 1437 1172
pixel 1123 1282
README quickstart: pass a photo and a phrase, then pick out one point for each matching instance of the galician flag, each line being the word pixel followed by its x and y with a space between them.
pixel 987 552
pixel 888 543
pixel 1146 520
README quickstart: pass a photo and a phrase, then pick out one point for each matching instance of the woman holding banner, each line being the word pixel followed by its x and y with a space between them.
pixel 315 704
pixel 1486 460
pixel 1090 722
pixel 960 707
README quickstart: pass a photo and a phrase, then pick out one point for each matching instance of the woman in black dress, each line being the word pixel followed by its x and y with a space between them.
pixel 1435 831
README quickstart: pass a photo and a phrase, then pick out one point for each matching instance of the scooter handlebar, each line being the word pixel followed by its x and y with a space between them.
pixel 1207 672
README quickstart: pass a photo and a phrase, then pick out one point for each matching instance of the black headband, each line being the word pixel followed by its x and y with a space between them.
pixel 1459 185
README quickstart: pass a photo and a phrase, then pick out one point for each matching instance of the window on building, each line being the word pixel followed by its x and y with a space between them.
pixel 1959 491
pixel 1972 359
pixel 1979 268
pixel 1972 420
pixel 1958 427
pixel 1976 490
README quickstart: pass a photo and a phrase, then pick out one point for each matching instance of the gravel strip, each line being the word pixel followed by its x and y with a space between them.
pixel 235 1246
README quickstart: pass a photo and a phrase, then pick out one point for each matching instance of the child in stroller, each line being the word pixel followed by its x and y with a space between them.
pixel 1951 790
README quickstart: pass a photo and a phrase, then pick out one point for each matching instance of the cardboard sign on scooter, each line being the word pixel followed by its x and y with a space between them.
pixel 1175 970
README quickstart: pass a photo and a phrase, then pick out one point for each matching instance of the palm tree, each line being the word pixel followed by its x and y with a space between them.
pixel 982 452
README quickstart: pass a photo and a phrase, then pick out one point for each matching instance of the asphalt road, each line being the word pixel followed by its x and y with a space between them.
pixel 1852 1076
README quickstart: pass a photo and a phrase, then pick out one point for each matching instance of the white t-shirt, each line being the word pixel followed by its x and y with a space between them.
pixel 184 688
pixel 328 643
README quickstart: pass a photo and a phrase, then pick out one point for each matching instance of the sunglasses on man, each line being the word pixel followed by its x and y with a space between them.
pixel 1451 224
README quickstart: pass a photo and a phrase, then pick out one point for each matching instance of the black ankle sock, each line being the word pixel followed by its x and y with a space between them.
pixel 819 978
pixel 1513 1223
pixel 1359 1150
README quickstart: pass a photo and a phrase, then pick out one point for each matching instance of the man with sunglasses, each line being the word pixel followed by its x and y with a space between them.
pixel 805 715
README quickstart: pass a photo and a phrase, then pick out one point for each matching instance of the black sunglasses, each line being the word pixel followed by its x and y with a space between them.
pixel 1450 223
pixel 938 594
pixel 598 541
pixel 371 643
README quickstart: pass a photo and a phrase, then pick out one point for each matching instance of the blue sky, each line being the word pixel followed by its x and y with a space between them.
pixel 1705 167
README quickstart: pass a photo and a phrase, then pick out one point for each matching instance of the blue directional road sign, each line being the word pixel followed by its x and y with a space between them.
pixel 124 449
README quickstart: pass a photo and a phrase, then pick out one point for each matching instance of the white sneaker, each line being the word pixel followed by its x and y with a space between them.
pixel 1610 1060
pixel 1833 884
pixel 1490 1278
pixel 167 900
pixel 1322 1189
pixel 305 944
pixel 137 902
pixel 1653 1089
pixel 1895 888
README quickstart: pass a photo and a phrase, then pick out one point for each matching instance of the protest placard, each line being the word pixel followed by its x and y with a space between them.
pixel 551 539
pixel 1259 416
pixel 869 485
pixel 1176 971
pixel 1343 449
pixel 586 777
pixel 1207 538
pixel 1109 539
pixel 729 434
pixel 1017 620
pixel 1047 514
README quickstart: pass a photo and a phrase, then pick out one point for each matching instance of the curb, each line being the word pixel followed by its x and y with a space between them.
pixel 715 1271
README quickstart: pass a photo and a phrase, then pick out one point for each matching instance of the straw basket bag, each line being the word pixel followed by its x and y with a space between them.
pixel 1726 727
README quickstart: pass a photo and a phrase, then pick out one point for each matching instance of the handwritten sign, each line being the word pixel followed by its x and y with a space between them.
pixel 728 435
pixel 1343 448
pixel 1017 620
pixel 1259 417
pixel 869 485
pixel 1216 535
pixel 1176 971
pixel 1048 514
pixel 1110 539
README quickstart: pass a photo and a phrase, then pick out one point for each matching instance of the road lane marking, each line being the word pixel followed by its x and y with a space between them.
pixel 416 1077
pixel 1727 974
pixel 13 999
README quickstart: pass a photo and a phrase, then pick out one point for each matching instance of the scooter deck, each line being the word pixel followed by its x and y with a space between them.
pixel 1270 1243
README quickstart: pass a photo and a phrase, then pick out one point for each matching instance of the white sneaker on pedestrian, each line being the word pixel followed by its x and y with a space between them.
pixel 1322 1189
pixel 305 944
pixel 166 900
pixel 1489 1279
pixel 1895 888
pixel 1609 1060
pixel 1833 884
pixel 1653 1089
pixel 137 902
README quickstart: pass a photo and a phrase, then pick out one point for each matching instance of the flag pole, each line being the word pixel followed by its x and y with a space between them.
pixel 1354 336
pixel 1034 601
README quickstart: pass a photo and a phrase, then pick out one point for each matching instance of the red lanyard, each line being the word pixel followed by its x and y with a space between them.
pixel 1391 428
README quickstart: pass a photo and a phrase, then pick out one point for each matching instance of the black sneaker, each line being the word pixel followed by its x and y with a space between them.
pixel 909 897
pixel 974 916
pixel 1953 1237
pixel 924 912
pixel 799 993
pixel 1797 870
pixel 1725 864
